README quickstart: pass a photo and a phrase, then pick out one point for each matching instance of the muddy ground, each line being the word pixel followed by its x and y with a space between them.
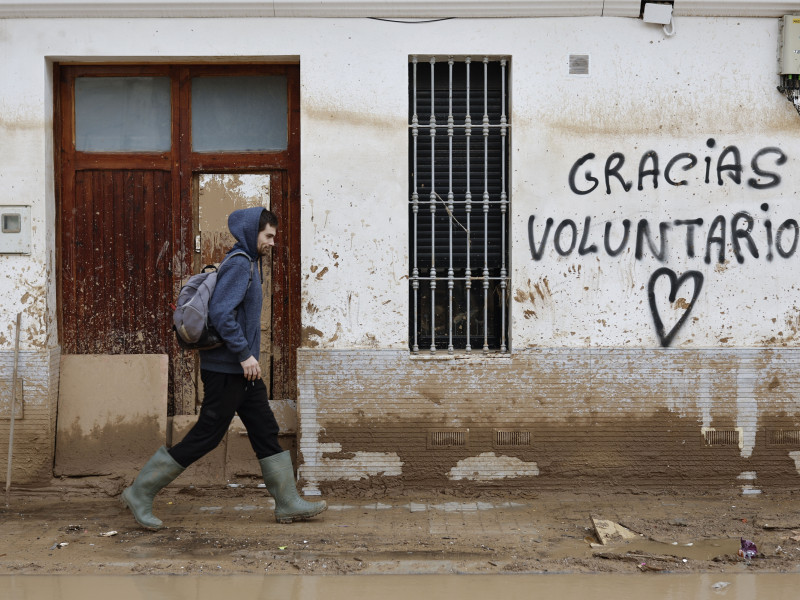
pixel 74 528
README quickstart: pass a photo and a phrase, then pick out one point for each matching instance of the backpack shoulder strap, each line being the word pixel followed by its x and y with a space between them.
pixel 243 253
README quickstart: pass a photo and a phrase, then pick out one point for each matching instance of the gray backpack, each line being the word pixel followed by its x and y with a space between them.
pixel 190 311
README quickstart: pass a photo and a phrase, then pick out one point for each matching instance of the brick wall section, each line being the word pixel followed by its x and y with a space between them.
pixel 34 434
pixel 612 416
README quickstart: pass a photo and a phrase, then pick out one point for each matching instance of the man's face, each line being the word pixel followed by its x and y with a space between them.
pixel 266 239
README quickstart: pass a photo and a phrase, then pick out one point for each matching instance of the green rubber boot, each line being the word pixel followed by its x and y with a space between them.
pixel 160 470
pixel 279 479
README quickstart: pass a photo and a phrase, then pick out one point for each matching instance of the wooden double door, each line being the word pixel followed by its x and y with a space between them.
pixel 151 160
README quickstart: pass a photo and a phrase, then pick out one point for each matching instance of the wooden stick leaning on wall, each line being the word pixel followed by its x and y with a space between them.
pixel 13 408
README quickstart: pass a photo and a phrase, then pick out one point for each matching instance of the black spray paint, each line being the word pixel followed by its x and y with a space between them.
pixel 675 283
pixel 728 163
pixel 746 239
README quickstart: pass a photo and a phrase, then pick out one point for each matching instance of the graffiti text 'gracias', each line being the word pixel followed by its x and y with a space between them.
pixel 728 162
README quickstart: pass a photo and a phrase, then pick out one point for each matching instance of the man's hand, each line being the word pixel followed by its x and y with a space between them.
pixel 252 370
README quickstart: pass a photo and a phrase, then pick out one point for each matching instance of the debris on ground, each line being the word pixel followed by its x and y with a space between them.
pixel 609 532
pixel 58 545
pixel 646 532
pixel 748 549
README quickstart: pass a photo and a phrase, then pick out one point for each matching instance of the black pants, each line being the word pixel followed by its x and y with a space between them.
pixel 224 396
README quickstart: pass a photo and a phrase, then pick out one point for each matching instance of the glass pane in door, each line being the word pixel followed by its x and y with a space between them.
pixel 239 113
pixel 122 114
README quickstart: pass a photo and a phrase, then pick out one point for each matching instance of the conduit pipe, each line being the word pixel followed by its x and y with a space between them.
pixel 389 9
pixel 315 8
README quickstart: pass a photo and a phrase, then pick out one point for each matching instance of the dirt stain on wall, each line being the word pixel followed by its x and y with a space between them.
pixel 590 417
pixel 662 450
pixel 533 294
pixel 111 449
pixel 306 334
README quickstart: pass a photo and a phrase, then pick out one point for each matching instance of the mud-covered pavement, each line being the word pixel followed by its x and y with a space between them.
pixel 74 530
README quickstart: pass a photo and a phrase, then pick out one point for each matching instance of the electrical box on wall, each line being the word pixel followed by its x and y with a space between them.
pixel 790 45
pixel 15 229
pixel 789 66
pixel 657 13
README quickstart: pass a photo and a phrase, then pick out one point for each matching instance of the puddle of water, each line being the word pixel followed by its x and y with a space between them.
pixel 700 550
pixel 402 587
pixel 397 555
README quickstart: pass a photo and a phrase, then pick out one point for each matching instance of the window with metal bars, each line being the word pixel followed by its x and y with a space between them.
pixel 459 132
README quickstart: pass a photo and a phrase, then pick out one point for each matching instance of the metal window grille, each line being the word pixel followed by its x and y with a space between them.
pixel 459 133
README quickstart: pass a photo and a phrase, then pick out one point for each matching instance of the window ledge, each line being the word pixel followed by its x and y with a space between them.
pixel 460 355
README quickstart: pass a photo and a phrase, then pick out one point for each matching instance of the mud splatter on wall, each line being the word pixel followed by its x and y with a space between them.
pixel 549 417
pixel 218 196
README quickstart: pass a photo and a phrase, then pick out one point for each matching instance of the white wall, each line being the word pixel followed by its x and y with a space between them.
pixel 715 79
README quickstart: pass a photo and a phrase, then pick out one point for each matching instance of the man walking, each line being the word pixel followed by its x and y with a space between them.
pixel 232 384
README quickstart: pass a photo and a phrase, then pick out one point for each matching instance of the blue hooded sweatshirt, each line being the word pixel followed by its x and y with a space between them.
pixel 235 307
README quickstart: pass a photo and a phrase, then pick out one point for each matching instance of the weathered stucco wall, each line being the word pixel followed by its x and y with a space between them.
pixel 648 98
pixel 35 428
pixel 378 420
pixel 595 392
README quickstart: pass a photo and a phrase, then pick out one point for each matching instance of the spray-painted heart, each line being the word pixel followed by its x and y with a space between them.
pixel 675 283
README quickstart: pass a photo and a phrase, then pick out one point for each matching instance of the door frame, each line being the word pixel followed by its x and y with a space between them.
pixel 184 165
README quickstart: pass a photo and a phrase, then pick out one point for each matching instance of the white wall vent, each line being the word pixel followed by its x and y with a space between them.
pixel 448 438
pixel 579 64
pixel 722 436
pixel 783 437
pixel 511 438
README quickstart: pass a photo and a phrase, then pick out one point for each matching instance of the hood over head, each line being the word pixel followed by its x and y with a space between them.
pixel 243 224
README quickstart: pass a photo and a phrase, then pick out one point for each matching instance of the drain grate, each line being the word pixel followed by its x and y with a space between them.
pixel 447 438
pixel 722 437
pixel 783 437
pixel 505 438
